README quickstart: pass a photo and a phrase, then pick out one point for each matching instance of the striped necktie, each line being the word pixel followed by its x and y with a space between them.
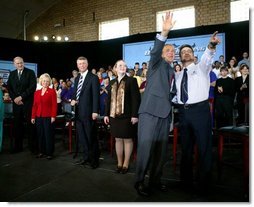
pixel 184 87
pixel 80 83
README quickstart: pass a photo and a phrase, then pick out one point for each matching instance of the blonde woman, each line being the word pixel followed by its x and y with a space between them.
pixel 43 116
pixel 122 114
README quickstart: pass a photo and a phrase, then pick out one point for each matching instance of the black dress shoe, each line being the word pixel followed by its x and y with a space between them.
pixel 49 157
pixel 141 189
pixel 80 162
pixel 94 165
pixel 159 186
pixel 39 155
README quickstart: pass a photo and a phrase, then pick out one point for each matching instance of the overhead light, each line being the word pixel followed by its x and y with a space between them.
pixel 58 38
pixel 53 38
pixel 36 38
pixel 45 38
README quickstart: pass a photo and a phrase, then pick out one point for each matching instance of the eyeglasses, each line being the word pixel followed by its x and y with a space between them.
pixel 186 51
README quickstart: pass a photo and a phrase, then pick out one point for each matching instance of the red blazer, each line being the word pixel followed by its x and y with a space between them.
pixel 46 105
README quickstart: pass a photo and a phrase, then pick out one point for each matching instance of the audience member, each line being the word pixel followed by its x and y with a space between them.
pixel 177 68
pixel 234 69
pixel 111 75
pixel 67 91
pixel 104 94
pixel 137 69
pixel 216 68
pixel 94 71
pixel 222 61
pixel 133 74
pixel 6 97
pixel 74 75
pixel 242 97
pixel 224 99
pixel 213 79
pixel 58 98
pixel 245 60
pixel 195 60
pixel 3 86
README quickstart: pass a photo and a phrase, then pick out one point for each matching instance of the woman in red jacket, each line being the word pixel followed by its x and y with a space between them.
pixel 43 115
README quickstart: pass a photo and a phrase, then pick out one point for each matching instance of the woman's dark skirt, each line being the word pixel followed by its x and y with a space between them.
pixel 122 128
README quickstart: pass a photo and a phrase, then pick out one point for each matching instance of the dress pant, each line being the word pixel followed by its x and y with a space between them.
pixel 195 128
pixel 224 111
pixel 45 134
pixel 22 118
pixel 87 139
pixel 152 145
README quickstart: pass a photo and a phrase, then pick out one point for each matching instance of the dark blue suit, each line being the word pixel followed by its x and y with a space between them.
pixel 88 103
pixel 154 117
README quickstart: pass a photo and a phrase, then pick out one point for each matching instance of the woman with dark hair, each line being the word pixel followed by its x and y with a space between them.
pixel 177 68
pixel 242 97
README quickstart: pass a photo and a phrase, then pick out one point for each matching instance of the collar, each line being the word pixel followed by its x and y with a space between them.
pixel 84 74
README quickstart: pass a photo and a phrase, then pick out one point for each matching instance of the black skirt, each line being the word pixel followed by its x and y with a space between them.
pixel 122 128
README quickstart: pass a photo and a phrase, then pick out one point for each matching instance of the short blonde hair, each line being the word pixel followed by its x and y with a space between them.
pixel 45 76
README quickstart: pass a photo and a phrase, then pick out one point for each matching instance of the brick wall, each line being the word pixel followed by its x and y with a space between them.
pixel 79 19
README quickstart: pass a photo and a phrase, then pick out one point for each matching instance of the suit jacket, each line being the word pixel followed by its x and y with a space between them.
pixel 157 97
pixel 46 105
pixel 241 94
pixel 131 98
pixel 25 87
pixel 89 96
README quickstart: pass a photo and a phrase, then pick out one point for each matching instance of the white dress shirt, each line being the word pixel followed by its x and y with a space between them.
pixel 198 79
pixel 84 75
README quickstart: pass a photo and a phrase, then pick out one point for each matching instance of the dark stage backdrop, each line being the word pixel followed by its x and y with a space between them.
pixel 59 58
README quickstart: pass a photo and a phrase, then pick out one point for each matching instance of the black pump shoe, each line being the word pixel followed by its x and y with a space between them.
pixel 119 169
pixel 124 170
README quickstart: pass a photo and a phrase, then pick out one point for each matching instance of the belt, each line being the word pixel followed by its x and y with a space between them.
pixel 188 106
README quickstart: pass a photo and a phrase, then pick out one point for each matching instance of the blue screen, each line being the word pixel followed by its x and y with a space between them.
pixel 7 66
pixel 140 51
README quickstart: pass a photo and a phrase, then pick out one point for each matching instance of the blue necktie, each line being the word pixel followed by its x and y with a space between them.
pixel 184 87
pixel 80 83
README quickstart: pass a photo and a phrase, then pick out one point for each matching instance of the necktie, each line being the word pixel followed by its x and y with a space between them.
pixel 80 83
pixel 184 87
pixel 19 74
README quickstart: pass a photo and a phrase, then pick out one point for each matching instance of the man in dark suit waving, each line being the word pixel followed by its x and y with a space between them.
pixel 86 100
pixel 155 112
pixel 21 86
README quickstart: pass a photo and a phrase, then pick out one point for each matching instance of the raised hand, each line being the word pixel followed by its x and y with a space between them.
pixel 167 23
pixel 214 39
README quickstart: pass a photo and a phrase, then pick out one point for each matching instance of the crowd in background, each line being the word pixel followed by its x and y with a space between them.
pixel 228 96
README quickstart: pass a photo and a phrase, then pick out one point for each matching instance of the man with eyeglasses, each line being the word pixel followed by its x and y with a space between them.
pixel 192 85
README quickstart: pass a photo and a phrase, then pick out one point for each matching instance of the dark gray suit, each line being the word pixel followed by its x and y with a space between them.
pixel 25 87
pixel 154 116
